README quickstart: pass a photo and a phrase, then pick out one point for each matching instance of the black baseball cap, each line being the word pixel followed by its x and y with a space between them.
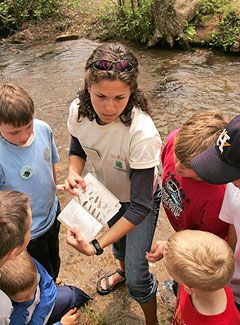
pixel 220 164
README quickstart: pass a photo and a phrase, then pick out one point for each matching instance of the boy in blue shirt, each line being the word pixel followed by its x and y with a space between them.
pixel 28 155
pixel 35 297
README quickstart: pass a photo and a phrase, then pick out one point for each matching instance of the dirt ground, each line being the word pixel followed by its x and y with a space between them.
pixel 117 307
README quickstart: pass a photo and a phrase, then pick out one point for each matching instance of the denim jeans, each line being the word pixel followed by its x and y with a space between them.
pixel 131 249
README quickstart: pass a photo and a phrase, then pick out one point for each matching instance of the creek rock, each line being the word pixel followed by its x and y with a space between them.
pixel 235 48
pixel 66 37
pixel 170 17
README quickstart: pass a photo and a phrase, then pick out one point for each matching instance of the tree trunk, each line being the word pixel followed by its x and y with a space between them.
pixel 170 17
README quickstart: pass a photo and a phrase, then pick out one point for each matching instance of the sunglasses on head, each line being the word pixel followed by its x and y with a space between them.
pixel 120 65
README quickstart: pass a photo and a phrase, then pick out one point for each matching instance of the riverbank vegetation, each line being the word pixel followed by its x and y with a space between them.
pixel 226 14
pixel 182 23
pixel 16 12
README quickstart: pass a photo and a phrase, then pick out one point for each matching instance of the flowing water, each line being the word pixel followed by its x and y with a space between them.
pixel 176 83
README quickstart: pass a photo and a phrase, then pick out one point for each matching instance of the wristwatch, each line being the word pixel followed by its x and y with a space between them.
pixel 97 247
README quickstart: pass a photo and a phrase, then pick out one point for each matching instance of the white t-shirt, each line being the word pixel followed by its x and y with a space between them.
pixel 5 308
pixel 115 148
pixel 230 213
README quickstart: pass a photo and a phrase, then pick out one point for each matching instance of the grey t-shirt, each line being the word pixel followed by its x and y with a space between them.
pixel 5 308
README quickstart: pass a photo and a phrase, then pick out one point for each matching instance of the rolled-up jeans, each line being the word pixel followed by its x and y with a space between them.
pixel 132 248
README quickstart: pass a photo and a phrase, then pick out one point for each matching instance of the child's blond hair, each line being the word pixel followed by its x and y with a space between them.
pixel 18 274
pixel 197 134
pixel 199 259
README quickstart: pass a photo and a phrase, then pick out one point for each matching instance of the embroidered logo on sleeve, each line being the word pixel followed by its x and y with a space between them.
pixel 46 154
pixel 222 141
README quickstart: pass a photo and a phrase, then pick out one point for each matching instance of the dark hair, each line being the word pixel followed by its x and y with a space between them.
pixel 16 106
pixel 14 221
pixel 18 275
pixel 112 52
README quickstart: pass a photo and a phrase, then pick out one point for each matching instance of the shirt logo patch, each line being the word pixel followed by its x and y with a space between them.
pixel 46 154
pixel 26 172
pixel 222 141
pixel 118 164
pixel 173 197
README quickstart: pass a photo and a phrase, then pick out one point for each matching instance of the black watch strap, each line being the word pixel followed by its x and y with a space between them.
pixel 97 247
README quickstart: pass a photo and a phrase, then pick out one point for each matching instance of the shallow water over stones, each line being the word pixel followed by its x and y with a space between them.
pixel 176 83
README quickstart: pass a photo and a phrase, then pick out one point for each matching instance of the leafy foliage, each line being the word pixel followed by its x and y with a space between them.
pixel 189 31
pixel 14 13
pixel 228 31
pixel 208 9
pixel 129 19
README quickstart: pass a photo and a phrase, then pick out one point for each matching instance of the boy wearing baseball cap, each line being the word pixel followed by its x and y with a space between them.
pixel 189 202
pixel 220 164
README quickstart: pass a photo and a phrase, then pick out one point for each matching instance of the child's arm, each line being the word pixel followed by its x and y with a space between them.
pixel 232 237
pixel 54 173
pixel 59 187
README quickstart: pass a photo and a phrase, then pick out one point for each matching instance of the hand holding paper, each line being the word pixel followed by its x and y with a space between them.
pixel 79 242
pixel 91 210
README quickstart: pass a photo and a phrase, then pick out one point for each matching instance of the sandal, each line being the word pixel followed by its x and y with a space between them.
pixel 106 277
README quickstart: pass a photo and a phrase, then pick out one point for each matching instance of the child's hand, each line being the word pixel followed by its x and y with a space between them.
pixel 73 182
pixel 156 252
pixel 71 317
pixel 79 242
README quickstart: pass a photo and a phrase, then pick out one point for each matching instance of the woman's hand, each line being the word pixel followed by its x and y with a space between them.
pixel 156 252
pixel 60 187
pixel 73 182
pixel 80 242
pixel 71 317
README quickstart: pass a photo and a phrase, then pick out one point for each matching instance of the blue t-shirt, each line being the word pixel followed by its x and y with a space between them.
pixel 30 169
pixel 38 310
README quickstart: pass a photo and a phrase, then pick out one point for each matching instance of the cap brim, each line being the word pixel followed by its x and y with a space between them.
pixel 210 168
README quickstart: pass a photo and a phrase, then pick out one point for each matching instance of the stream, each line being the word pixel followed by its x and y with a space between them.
pixel 176 83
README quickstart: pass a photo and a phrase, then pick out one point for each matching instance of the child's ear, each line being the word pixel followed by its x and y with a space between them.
pixel 10 255
pixel 13 253
pixel 188 289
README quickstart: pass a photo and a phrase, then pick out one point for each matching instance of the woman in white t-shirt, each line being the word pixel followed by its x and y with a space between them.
pixel 110 126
